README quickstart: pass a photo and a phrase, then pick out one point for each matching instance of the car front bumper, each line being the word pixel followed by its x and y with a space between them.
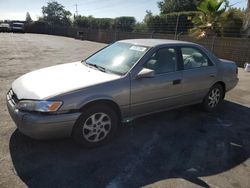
pixel 42 126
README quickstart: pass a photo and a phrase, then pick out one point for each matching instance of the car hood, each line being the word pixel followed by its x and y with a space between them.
pixel 51 81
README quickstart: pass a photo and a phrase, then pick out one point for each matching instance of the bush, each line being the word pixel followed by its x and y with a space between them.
pixel 125 23
pixel 232 22
pixel 39 26
pixel 140 27
pixel 120 23
pixel 166 23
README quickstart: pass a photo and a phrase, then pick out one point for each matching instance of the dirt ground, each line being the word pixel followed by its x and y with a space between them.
pixel 179 148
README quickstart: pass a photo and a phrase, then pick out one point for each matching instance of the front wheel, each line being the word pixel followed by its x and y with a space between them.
pixel 213 98
pixel 95 126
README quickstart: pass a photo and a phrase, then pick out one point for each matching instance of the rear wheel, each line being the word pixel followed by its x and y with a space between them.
pixel 213 98
pixel 95 126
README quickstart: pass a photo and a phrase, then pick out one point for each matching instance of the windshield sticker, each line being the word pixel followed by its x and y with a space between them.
pixel 138 48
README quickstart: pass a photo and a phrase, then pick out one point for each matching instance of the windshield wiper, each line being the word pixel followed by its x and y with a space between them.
pixel 96 66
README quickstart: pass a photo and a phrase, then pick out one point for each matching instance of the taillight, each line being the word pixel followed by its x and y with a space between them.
pixel 236 70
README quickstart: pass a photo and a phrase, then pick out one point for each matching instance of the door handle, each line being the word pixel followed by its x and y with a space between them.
pixel 212 75
pixel 175 82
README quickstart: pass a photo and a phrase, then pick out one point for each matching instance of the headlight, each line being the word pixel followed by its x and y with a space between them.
pixel 39 106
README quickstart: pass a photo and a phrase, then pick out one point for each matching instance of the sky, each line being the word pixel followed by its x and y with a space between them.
pixel 17 9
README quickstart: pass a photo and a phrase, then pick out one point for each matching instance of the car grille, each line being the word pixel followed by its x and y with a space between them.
pixel 11 96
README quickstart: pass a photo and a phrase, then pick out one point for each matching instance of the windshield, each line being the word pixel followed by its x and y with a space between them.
pixel 118 57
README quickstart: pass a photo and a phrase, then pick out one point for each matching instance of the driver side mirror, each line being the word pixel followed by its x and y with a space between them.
pixel 146 73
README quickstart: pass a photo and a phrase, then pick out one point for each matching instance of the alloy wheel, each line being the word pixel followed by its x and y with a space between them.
pixel 214 97
pixel 96 127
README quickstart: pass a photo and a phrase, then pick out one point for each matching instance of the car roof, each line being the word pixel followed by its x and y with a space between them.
pixel 153 42
pixel 18 23
pixel 4 24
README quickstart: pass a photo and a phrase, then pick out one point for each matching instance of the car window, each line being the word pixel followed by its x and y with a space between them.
pixel 162 61
pixel 193 58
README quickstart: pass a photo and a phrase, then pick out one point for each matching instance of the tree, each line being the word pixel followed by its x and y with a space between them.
pixel 93 23
pixel 208 21
pixel 81 21
pixel 105 23
pixel 39 26
pixel 140 27
pixel 166 23
pixel 28 18
pixel 55 14
pixel 169 6
pixel 125 23
pixel 232 22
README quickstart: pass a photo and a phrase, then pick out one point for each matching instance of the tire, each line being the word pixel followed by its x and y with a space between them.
pixel 214 97
pixel 96 126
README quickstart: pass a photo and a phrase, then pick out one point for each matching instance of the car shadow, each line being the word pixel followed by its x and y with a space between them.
pixel 184 143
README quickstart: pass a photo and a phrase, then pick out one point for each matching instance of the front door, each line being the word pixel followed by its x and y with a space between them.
pixel 161 91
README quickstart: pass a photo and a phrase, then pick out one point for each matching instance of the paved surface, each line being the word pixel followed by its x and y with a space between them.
pixel 178 148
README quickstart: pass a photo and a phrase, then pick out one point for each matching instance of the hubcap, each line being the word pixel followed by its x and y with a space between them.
pixel 96 127
pixel 214 98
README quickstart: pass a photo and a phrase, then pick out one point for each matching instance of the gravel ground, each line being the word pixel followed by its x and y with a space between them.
pixel 179 148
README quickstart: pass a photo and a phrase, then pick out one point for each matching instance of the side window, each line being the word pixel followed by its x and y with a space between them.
pixel 162 61
pixel 193 58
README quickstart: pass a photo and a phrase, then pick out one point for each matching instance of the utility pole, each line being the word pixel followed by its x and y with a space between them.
pixel 177 22
pixel 176 26
pixel 246 26
pixel 76 10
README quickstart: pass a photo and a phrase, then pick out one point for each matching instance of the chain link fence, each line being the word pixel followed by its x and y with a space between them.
pixel 235 49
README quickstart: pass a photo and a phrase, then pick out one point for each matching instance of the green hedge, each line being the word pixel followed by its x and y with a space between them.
pixel 166 23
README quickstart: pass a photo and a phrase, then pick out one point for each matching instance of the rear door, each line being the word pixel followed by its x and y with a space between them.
pixel 198 73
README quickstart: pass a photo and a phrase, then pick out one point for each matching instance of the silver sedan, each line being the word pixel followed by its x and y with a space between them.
pixel 87 100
